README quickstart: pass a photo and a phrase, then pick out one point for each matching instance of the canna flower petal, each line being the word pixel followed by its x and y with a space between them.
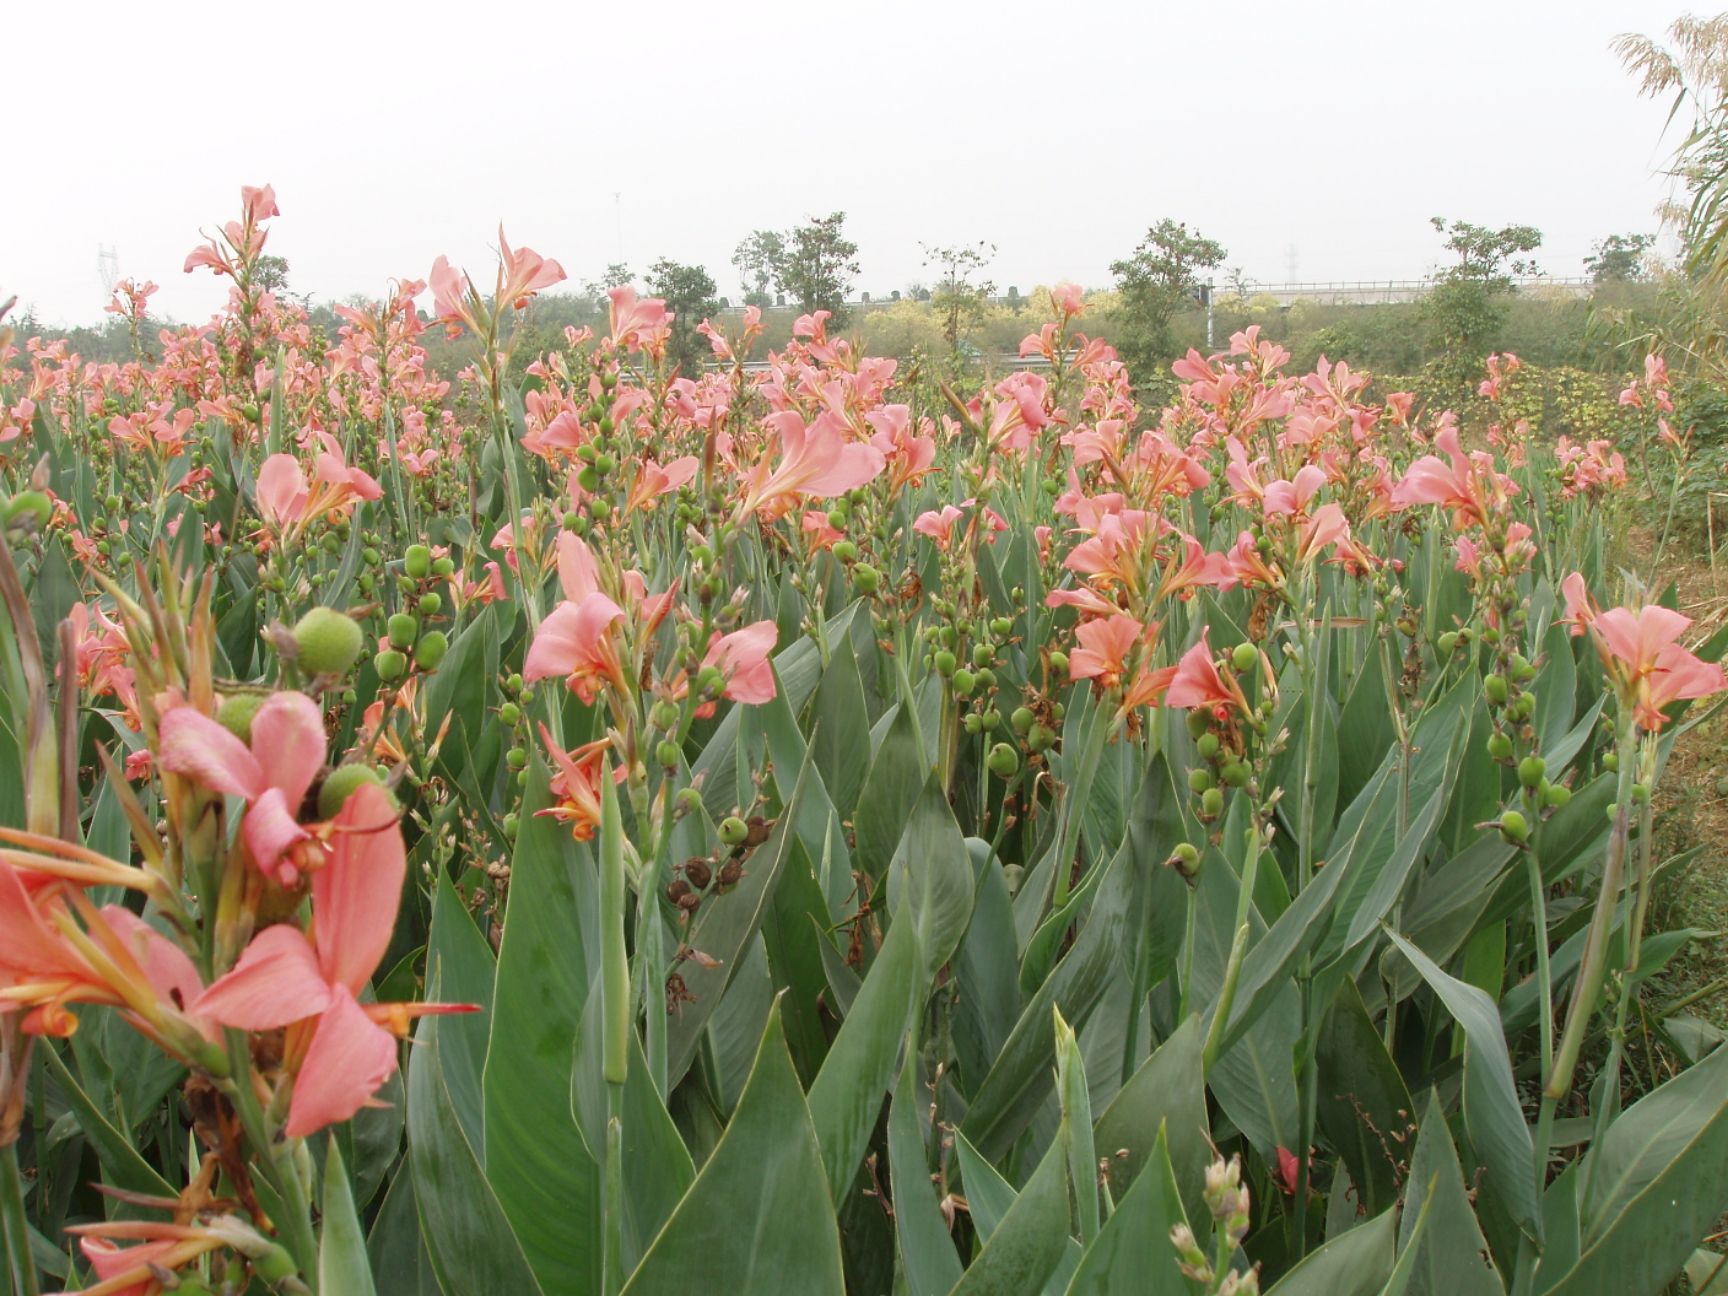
pixel 349 1058
pixel 271 831
pixel 289 744
pixel 355 896
pixel 276 981
pixel 192 744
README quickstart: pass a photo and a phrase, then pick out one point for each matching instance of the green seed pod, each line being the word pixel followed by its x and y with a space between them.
pixel 1199 780
pixel 1059 663
pixel 340 783
pixel 510 714
pixel 1243 657
pixel 688 800
pixel 1212 803
pixel 1235 774
pixel 30 508
pixel 1021 720
pixel 1207 745
pixel 327 643
pixel 945 663
pixel 992 720
pixel 667 754
pixel 237 711
pixel 1447 643
pixel 1557 795
pixel 845 551
pixel 865 578
pixel 430 604
pixel 1522 670
pixel 1500 746
pixel 964 682
pixel 973 723
pixel 402 628
pixel 734 831
pixel 600 508
pixel 429 652
pixel 1514 827
pixel 417 561
pixel 1532 770
pixel 1196 724
pixel 1001 627
pixel 390 665
pixel 512 824
pixel 517 758
pixel 443 566
pixel 1004 760
pixel 1040 738
pixel 1496 689
pixel 1611 762
pixel 987 678
pixel 982 655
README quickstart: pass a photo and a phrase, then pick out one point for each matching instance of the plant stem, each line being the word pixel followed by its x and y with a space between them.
pixel 15 1225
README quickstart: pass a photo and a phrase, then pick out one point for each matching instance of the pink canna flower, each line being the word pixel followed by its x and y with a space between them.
pixel 1115 652
pixel 815 461
pixel 524 272
pixel 338 1050
pixel 272 774
pixel 938 526
pixel 636 322
pixel 653 481
pixel 1642 652
pixel 741 658
pixel 1068 298
pixel 1197 684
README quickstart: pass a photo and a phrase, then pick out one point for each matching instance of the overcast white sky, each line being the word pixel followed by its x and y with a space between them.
pixel 1059 131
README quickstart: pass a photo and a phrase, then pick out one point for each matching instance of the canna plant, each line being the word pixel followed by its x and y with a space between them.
pixel 590 827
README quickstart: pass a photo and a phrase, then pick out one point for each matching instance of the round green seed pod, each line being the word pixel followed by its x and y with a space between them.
pixel 1021 720
pixel 1059 663
pixel 402 628
pixel 1212 802
pixel 236 712
pixel 733 830
pixel 429 652
pixel 1532 770
pixel 1243 657
pixel 1514 827
pixel 341 783
pixel 327 643
pixel 865 578
pixel 1496 689
pixel 1004 760
pixel 417 562
pixel 390 665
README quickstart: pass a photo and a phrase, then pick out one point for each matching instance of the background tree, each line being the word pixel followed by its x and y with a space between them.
pixel 1691 71
pixel 760 258
pixel 1619 258
pixel 961 295
pixel 820 265
pixel 691 295
pixel 616 275
pixel 1468 304
pixel 1160 280
pixel 271 274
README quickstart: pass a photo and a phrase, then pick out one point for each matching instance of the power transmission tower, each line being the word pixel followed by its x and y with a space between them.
pixel 1290 264
pixel 108 266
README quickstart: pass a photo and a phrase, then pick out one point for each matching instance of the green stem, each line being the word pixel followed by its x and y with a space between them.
pixel 1593 966
pixel 15 1225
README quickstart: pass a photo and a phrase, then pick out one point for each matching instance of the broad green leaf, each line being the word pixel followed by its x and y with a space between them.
pixel 847 1097
pixel 897 776
pixel 927 1255
pixel 547 1179
pixel 1492 1113
pixel 121 1163
pixel 1163 1106
pixel 1359 1263
pixel 1655 1184
pixel 1451 1254
pixel 1133 1253
pixel 400 1264
pixel 460 969
pixel 1028 1243
pixel 930 878
pixel 838 712
pixel 1363 1106
pixel 984 968
pixel 759 1214
pixel 1076 1108
pixel 1020 1079
pixel 467 1235
pixel 728 924
pixel 657 1166
pixel 343 1265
